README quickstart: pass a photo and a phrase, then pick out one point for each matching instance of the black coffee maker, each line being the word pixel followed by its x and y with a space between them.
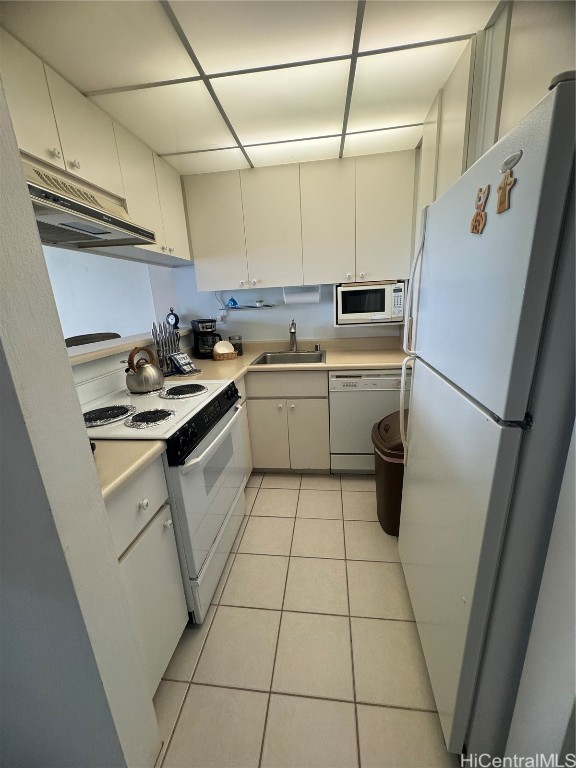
pixel 205 337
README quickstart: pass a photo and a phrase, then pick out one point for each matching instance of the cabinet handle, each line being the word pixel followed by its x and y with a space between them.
pixel 164 248
pixel 170 249
pixel 361 275
pixel 253 282
pixel 349 275
pixel 242 283
pixel 292 407
pixel 55 152
pixel 75 164
pixel 144 504
pixel 279 406
pixel 168 524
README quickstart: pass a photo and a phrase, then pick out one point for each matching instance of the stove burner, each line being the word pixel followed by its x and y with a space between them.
pixel 184 390
pixel 146 394
pixel 100 416
pixel 151 418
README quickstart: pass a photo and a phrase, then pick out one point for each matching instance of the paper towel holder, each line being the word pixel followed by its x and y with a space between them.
pixel 301 294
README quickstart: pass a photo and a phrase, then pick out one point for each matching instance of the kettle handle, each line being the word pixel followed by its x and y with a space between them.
pixel 151 357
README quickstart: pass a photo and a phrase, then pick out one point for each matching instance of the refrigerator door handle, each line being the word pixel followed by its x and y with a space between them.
pixel 410 296
pixel 403 432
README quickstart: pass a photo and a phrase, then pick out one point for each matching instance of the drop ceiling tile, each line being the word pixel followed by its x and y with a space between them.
pixel 100 44
pixel 287 103
pixel 233 35
pixel 170 118
pixel 387 24
pixel 294 151
pixel 393 140
pixel 398 88
pixel 207 162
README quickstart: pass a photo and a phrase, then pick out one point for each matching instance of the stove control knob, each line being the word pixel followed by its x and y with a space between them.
pixel 144 504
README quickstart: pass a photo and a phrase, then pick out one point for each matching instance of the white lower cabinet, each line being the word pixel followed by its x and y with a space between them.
pixel 153 582
pixel 141 524
pixel 289 434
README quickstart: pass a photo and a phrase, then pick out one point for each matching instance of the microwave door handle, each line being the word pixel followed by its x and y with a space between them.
pixel 410 296
pixel 189 465
pixel 403 433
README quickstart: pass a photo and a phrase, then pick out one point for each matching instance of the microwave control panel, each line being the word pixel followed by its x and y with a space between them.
pixel 398 302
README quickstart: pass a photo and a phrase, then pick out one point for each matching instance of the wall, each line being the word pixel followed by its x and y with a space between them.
pixel 454 122
pixel 541 45
pixel 546 694
pixel 72 689
pixel 95 294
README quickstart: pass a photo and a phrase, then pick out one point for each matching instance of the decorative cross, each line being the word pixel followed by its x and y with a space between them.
pixel 503 190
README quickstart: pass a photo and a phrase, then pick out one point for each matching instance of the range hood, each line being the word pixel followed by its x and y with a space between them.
pixel 72 215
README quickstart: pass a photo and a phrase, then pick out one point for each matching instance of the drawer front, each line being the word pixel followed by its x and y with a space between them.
pixel 135 503
pixel 287 384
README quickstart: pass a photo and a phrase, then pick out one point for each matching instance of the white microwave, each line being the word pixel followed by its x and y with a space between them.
pixel 368 303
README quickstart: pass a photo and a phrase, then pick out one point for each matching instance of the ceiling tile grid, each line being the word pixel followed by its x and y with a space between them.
pixel 272 76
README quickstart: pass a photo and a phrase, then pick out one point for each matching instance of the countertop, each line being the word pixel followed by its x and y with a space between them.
pixel 118 460
pixel 336 359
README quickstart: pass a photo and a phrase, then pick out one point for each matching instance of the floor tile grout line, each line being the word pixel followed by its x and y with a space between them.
pixel 357 729
pixel 173 731
pixel 309 696
pixel 277 640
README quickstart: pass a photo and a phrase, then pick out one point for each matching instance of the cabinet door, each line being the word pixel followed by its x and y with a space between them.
pixel 153 582
pixel 328 221
pixel 269 434
pixel 29 102
pixel 87 136
pixel 271 205
pixel 139 177
pixel 308 428
pixel 214 204
pixel 384 205
pixel 172 207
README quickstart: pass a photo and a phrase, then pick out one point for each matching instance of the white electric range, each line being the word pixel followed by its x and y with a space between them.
pixel 206 466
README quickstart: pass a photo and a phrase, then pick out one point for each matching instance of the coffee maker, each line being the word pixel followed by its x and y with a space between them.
pixel 205 337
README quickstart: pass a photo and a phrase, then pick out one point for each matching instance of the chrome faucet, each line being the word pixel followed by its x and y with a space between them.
pixel 293 341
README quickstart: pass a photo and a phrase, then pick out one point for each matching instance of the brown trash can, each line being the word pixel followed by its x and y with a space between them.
pixel 389 466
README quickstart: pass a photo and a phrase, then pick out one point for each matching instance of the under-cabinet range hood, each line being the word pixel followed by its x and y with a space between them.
pixel 72 215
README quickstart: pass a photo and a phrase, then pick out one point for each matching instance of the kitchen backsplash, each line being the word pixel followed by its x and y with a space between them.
pixel 96 293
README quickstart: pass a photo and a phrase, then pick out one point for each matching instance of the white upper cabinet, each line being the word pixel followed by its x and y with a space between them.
pixel 29 101
pixel 271 204
pixel 139 177
pixel 384 204
pixel 172 208
pixel 214 204
pixel 328 221
pixel 87 136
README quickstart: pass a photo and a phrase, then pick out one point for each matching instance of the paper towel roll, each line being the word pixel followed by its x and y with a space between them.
pixel 302 296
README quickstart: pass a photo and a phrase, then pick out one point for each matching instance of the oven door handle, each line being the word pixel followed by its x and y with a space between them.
pixel 189 465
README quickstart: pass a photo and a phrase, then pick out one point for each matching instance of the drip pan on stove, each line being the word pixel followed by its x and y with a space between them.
pixel 151 418
pixel 107 415
pixel 181 391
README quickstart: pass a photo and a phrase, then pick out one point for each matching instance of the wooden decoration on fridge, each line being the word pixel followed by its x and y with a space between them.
pixel 479 219
pixel 503 190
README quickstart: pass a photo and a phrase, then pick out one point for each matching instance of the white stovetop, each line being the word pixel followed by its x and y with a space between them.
pixel 183 409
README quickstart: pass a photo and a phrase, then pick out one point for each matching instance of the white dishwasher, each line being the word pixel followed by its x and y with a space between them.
pixel 358 399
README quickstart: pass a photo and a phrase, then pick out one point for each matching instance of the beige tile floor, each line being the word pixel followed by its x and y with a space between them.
pixel 309 656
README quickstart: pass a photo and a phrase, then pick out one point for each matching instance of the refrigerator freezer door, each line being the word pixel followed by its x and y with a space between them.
pixel 483 297
pixel 457 488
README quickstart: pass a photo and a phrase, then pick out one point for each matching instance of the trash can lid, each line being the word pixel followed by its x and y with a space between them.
pixel 386 435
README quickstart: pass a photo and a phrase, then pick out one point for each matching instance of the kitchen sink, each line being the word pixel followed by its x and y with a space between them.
pixel 288 358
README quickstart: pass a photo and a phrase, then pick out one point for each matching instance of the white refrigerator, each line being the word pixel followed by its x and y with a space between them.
pixel 491 414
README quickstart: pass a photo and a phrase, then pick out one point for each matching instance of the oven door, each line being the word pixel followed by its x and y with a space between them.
pixel 203 490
